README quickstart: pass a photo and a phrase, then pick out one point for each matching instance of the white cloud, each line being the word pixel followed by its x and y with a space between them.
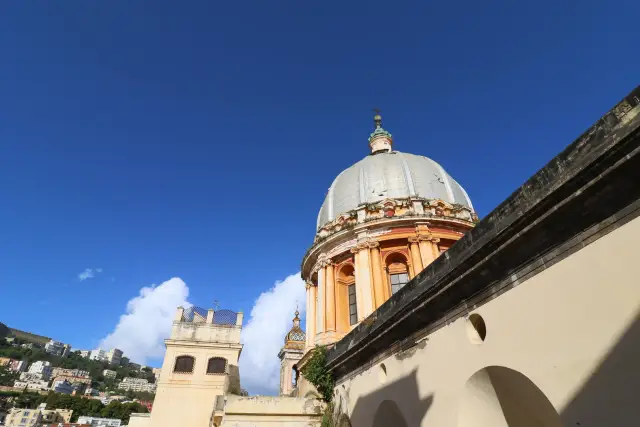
pixel 263 335
pixel 88 273
pixel 141 331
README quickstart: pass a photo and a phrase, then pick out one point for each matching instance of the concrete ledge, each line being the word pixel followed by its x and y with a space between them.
pixel 272 405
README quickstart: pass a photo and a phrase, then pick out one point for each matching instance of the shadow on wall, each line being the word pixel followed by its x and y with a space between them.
pixel 610 396
pixel 395 404
pixel 501 397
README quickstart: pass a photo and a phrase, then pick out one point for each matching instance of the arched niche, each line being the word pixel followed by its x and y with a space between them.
pixel 501 397
pixel 388 414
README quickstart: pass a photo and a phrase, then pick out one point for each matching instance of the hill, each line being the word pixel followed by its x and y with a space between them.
pixel 4 330
pixel 29 337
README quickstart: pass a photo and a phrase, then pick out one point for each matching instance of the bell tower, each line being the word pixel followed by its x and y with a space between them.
pixel 289 355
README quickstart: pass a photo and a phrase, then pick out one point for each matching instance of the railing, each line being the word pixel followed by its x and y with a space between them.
pixel 220 317
pixel 225 317
pixel 191 313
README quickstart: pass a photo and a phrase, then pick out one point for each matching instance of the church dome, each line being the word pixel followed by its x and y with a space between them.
pixel 387 174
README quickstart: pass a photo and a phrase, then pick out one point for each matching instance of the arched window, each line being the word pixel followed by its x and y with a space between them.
pixel 353 306
pixel 347 278
pixel 217 365
pixel 398 271
pixel 184 364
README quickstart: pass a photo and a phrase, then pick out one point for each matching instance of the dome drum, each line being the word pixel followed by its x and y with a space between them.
pixel 415 207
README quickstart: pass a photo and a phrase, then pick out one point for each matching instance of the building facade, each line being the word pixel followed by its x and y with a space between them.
pixel 531 319
pixel 57 348
pixel 113 356
pixel 62 386
pixel 137 384
pixel 41 368
pixel 55 372
pixel 18 365
pixel 109 374
pixel 200 364
pixel 100 422
pixel 21 417
pixel 32 385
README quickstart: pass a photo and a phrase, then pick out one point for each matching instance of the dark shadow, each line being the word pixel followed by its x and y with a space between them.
pixel 395 404
pixel 610 395
pixel 388 414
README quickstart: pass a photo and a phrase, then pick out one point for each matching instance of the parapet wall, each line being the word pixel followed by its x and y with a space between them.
pixel 256 411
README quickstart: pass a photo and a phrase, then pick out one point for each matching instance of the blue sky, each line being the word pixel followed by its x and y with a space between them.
pixel 197 139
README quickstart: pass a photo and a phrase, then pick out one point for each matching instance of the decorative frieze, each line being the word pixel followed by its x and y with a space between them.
pixel 395 208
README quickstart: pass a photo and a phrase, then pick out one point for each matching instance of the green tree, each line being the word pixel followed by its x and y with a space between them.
pixel 317 373
pixel 7 377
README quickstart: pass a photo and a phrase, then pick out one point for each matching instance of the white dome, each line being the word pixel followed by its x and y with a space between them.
pixel 390 175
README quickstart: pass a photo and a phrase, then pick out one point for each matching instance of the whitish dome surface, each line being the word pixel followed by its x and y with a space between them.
pixel 392 175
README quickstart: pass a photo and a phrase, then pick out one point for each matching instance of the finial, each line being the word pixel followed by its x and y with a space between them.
pixel 377 119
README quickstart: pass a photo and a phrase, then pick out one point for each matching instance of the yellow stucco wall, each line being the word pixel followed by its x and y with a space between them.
pixel 195 393
pixel 573 330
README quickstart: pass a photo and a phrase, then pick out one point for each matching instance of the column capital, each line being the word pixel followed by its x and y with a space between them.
pixel 413 239
pixel 365 244
pixel 425 237
pixel 308 285
pixel 325 263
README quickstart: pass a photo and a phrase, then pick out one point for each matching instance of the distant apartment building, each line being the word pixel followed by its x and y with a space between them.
pixel 57 348
pixel 156 373
pixel 98 354
pixel 112 357
pixel 69 372
pixel 137 384
pixel 62 386
pixel 110 374
pixel 35 385
pixel 13 365
pixel 20 417
pixel 18 366
pixel 29 376
pixel 86 381
pixel 41 367
pixel 85 353
pixel 100 422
